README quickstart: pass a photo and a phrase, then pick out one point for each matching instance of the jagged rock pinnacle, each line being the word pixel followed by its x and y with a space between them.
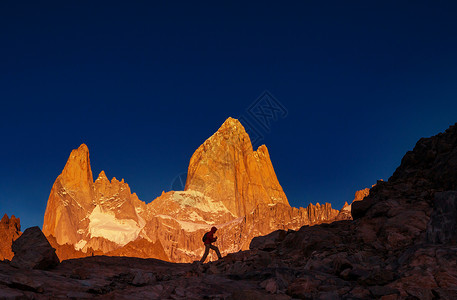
pixel 226 168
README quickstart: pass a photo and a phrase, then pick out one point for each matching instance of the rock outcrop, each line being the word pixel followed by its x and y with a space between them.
pixel 345 213
pixel 360 195
pixel 141 248
pixel 10 230
pixel 71 197
pixel 67 251
pixel 442 227
pixel 33 251
pixel 229 185
pixel 226 169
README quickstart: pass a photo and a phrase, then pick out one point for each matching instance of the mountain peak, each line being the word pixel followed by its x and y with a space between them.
pixel 225 168
pixel 77 170
pixel 5 219
pixel 83 148
pixel 102 176
pixel 230 134
pixel 232 126
pixel 75 182
pixel 233 123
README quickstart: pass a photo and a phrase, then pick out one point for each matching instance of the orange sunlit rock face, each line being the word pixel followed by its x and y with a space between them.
pixel 226 168
pixel 229 186
pixel 10 230
pixel 69 215
pixel 70 199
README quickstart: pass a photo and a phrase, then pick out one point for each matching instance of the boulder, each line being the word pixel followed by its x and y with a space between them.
pixel 269 241
pixel 33 251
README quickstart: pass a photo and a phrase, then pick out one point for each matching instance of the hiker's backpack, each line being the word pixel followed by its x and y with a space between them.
pixel 204 237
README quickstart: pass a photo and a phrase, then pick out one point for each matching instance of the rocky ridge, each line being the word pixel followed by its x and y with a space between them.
pixel 229 185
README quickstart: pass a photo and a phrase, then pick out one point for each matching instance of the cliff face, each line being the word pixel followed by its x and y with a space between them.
pixel 229 185
pixel 226 169
pixel 10 230
pixel 71 197
pixel 101 215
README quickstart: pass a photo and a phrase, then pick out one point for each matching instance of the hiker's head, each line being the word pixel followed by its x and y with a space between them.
pixel 213 229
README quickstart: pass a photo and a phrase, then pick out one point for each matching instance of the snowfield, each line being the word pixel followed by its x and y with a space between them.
pixel 104 224
pixel 197 200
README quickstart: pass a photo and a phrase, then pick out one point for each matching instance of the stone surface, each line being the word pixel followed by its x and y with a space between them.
pixel 71 197
pixel 33 251
pixel 10 230
pixel 141 248
pixel 346 212
pixel 442 226
pixel 227 169
pixel 78 208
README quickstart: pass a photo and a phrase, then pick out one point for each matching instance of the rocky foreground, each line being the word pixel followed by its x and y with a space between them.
pixel 319 262
pixel 402 244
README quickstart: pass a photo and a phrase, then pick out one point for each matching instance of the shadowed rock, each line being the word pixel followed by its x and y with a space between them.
pixel 33 251
pixel 442 227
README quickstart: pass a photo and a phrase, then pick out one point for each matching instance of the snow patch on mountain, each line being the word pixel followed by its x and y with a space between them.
pixel 79 245
pixel 347 208
pixel 199 201
pixel 106 225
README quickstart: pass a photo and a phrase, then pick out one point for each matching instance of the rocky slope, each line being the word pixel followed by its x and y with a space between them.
pixel 10 230
pixel 229 185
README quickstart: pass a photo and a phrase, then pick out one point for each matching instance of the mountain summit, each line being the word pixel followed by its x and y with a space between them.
pixel 85 213
pixel 226 168
pixel 229 185
pixel 71 197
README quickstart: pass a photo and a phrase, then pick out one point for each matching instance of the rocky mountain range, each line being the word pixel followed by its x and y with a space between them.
pixel 229 185
pixel 401 244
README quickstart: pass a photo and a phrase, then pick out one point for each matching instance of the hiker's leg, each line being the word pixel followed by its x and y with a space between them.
pixel 217 251
pixel 206 253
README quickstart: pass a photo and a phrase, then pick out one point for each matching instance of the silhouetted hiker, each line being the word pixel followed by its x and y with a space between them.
pixel 209 238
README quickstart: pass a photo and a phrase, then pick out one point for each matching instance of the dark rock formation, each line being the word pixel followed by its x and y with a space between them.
pixel 33 251
pixel 442 227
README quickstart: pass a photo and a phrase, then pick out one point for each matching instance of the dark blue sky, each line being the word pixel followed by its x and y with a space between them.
pixel 144 83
